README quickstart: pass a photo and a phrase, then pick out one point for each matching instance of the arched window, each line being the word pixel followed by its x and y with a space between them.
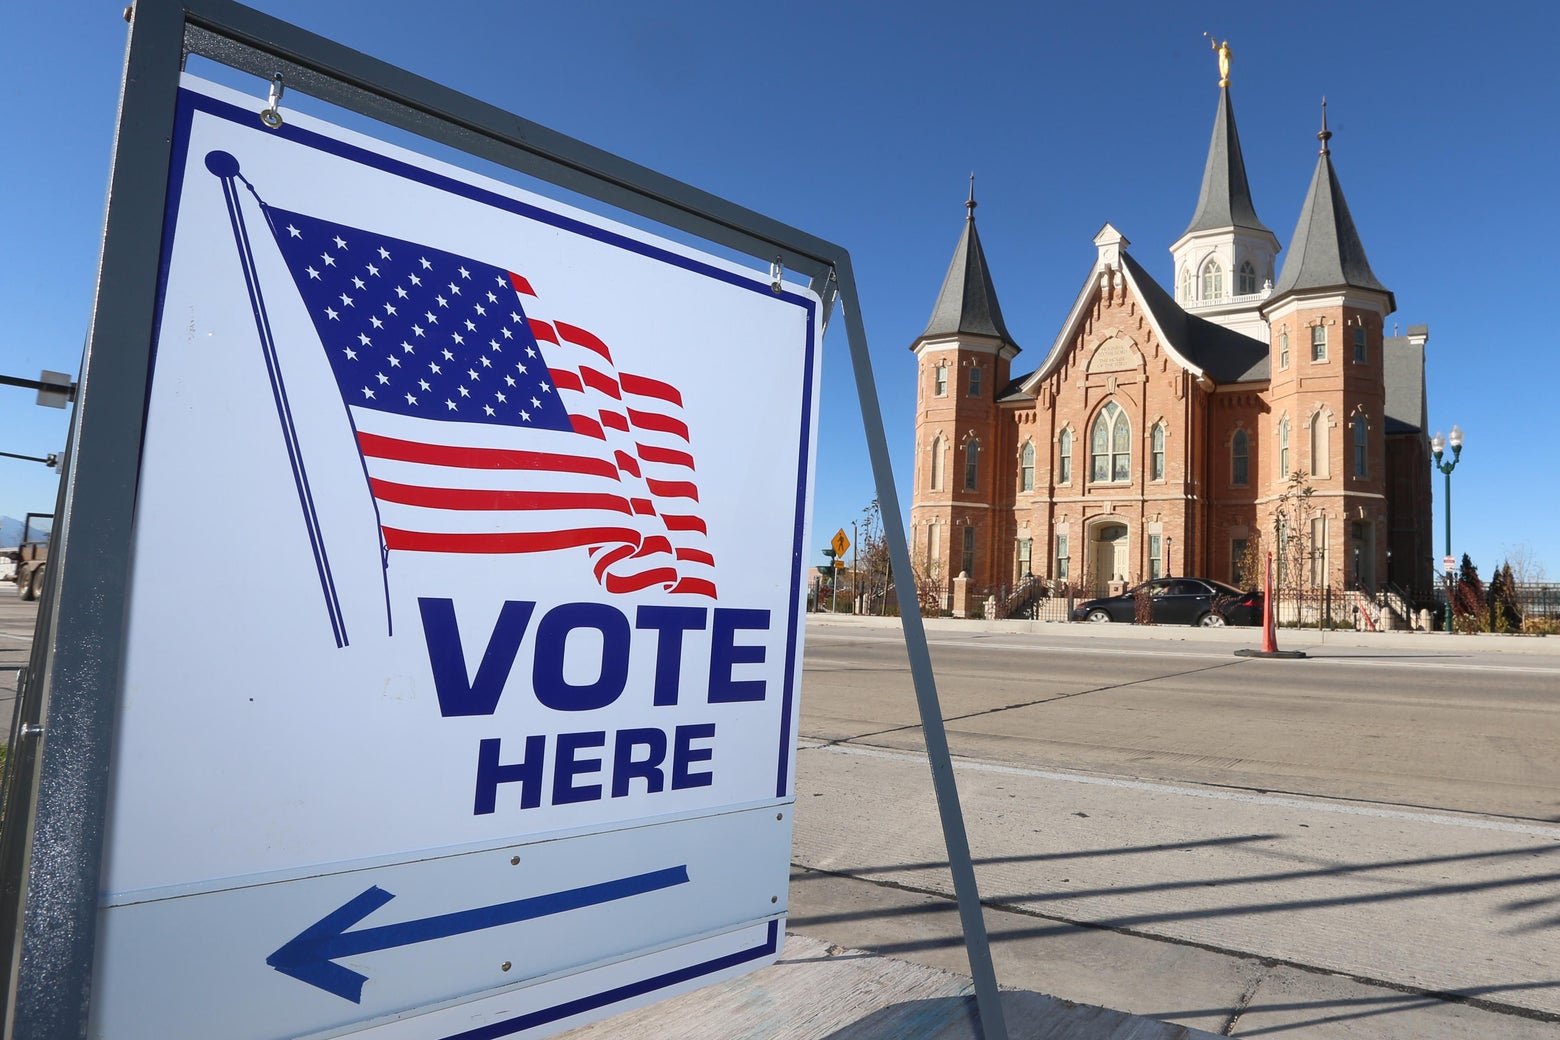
pixel 1240 459
pixel 1283 449
pixel 1156 458
pixel 1213 280
pixel 1361 445
pixel 939 448
pixel 1026 467
pixel 1064 457
pixel 1185 281
pixel 971 465
pixel 1319 445
pixel 1110 446
pixel 1248 278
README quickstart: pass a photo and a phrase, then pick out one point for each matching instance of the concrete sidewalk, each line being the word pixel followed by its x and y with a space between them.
pixel 1307 639
pixel 819 991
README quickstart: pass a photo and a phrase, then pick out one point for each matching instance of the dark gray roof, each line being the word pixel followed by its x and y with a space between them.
pixel 1225 199
pixel 1403 370
pixel 967 304
pixel 1325 252
pixel 1225 355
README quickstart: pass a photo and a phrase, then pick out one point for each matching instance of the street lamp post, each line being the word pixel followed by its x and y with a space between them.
pixel 1438 448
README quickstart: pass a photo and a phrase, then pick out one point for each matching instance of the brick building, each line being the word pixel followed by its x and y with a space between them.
pixel 1163 428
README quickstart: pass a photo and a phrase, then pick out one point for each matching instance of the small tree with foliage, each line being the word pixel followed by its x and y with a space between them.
pixel 1251 567
pixel 1470 610
pixel 1501 598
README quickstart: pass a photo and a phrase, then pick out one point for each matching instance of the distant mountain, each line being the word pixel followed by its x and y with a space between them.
pixel 11 531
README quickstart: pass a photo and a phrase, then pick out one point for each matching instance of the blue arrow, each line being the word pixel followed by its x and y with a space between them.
pixel 310 955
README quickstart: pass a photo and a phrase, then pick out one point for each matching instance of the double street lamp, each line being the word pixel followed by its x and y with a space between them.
pixel 1438 447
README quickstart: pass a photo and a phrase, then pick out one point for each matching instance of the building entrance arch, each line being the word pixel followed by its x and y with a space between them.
pixel 1108 554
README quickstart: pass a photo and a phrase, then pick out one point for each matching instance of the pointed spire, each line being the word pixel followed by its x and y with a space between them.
pixel 1326 251
pixel 967 304
pixel 1225 199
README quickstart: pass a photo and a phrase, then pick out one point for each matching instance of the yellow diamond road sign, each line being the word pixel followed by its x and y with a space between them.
pixel 840 543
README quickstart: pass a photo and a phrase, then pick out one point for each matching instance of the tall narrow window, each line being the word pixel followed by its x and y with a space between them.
pixel 1361 454
pixel 1319 467
pixel 1238 577
pixel 1319 343
pixel 1248 278
pixel 1212 280
pixel 1359 345
pixel 1186 284
pixel 1283 350
pixel 1156 464
pixel 1281 543
pixel 1240 459
pixel 939 449
pixel 1110 446
pixel 940 380
pixel 1062 569
pixel 934 549
pixel 1318 552
pixel 967 564
pixel 1026 467
pixel 1064 457
pixel 1156 557
pixel 1283 449
pixel 1025 548
pixel 974 382
pixel 972 466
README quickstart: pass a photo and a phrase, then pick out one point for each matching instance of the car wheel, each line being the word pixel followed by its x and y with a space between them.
pixel 1211 620
pixel 1098 617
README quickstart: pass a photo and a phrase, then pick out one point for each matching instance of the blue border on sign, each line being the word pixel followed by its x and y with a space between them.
pixel 192 101
pixel 595 1001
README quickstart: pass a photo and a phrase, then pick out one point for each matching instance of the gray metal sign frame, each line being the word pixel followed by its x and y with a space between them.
pixel 57 789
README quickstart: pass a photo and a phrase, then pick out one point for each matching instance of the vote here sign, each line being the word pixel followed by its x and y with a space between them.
pixel 465 627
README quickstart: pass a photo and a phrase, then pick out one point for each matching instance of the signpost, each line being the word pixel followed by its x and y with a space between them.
pixel 462 694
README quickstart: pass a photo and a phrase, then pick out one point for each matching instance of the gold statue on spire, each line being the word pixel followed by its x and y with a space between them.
pixel 1224 59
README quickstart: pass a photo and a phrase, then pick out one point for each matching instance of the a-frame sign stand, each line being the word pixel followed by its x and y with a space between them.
pixel 57 789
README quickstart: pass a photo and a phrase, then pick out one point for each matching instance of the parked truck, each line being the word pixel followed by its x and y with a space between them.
pixel 30 557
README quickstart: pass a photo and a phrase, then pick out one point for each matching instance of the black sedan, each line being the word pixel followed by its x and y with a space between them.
pixel 1178 601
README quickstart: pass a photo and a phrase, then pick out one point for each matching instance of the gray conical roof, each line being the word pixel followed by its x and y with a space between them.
pixel 1225 199
pixel 967 304
pixel 1326 252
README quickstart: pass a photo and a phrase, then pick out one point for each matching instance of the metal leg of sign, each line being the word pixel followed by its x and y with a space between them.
pixel 987 998
pixel 50 965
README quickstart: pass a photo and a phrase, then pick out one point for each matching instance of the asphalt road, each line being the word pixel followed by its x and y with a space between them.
pixel 1363 843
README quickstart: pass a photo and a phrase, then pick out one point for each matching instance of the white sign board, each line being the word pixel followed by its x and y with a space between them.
pixel 461 683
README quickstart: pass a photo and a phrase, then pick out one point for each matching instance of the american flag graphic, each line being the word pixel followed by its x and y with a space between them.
pixel 486 429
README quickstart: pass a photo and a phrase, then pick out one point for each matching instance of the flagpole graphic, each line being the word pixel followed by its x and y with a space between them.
pixel 226 168
pixel 482 429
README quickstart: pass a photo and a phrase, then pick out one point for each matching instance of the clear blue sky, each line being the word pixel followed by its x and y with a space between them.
pixel 860 122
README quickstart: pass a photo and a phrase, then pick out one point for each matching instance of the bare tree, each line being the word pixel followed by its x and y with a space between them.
pixel 1292 538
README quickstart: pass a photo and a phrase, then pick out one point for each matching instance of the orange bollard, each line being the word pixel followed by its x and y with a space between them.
pixel 1269 625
